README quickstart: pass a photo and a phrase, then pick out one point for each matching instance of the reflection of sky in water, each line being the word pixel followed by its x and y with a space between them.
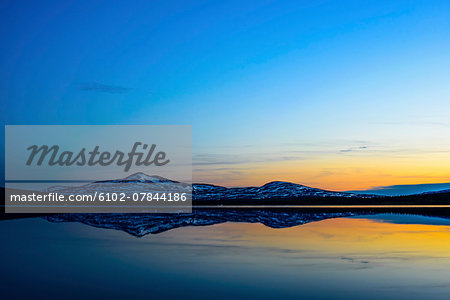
pixel 338 258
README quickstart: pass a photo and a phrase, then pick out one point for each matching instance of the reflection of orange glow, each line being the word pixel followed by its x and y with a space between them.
pixel 359 235
pixel 338 173
pixel 362 236
pixel 337 237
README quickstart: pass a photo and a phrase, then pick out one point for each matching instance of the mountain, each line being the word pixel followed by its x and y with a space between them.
pixel 271 190
pixel 141 178
pixel 272 193
pixel 136 183
pixel 405 189
pixel 203 193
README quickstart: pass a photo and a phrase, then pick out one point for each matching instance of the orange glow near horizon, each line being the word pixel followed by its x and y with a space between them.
pixel 338 174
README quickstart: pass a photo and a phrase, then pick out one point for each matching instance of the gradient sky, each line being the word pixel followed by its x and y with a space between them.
pixel 333 94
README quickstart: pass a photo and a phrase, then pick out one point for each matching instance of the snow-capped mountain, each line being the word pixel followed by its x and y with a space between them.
pixel 141 178
pixel 141 182
pixel 271 190
pixel 136 183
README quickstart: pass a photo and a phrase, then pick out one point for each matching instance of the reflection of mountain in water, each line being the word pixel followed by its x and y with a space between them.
pixel 143 224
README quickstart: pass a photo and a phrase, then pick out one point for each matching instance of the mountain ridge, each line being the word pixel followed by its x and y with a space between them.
pixel 284 187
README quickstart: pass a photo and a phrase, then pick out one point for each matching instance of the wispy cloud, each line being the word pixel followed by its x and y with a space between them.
pixel 353 149
pixel 227 159
pixel 104 88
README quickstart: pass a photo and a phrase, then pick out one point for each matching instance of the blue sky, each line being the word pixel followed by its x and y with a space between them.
pixel 315 92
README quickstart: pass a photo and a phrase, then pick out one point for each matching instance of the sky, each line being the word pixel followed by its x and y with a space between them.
pixel 341 95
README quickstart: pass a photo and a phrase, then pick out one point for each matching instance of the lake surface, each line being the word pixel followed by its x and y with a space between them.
pixel 379 256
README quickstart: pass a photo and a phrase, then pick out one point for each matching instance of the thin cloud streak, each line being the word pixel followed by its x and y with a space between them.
pixel 104 88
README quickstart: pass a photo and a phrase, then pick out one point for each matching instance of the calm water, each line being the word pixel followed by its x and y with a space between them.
pixel 372 257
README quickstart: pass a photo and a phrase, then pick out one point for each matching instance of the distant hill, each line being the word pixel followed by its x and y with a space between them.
pixel 278 191
pixel 405 189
